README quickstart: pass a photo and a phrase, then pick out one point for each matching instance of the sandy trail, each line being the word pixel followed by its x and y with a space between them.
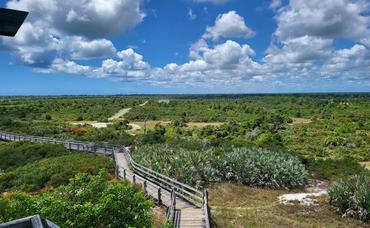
pixel 116 116
pixel 123 111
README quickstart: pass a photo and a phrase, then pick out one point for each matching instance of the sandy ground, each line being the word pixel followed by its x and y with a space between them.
pixel 119 114
pixel 366 164
pixel 300 121
pixel 314 189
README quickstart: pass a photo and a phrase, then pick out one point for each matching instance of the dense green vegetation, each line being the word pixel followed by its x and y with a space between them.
pixel 253 167
pixel 352 197
pixel 32 167
pixel 86 201
pixel 313 126
pixel 64 108
pixel 18 154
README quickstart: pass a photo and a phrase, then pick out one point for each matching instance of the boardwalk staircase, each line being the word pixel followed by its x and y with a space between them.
pixel 186 206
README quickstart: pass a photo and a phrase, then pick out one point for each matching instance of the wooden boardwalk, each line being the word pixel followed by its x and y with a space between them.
pixel 186 206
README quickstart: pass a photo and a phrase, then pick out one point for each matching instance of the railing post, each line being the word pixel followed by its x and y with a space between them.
pixel 145 185
pixel 159 196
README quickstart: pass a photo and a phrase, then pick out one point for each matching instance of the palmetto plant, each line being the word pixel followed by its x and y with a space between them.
pixel 352 197
pixel 199 167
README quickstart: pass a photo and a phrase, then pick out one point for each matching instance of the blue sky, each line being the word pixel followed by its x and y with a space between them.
pixel 187 46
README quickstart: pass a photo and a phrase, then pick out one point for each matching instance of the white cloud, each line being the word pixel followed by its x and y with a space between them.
pixel 328 19
pixel 299 50
pixel 228 25
pixel 82 49
pixel 352 63
pixel 86 18
pixel 70 30
pixel 60 33
pixel 191 15
pixel 275 4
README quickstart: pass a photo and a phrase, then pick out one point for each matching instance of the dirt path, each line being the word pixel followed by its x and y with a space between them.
pixel 123 111
pixel 116 116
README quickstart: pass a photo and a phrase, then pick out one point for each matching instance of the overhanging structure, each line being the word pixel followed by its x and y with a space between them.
pixel 11 21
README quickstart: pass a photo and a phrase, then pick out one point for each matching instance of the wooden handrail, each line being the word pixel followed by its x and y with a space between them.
pixel 183 190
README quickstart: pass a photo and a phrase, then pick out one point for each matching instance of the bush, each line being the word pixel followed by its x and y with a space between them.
pixel 334 169
pixel 18 154
pixel 352 197
pixel 201 166
pixel 259 167
pixel 87 201
pixel 52 171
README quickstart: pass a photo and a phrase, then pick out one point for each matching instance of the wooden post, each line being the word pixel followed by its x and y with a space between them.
pixel 159 197
pixel 124 174
pixel 145 185
pixel 133 178
pixel 116 170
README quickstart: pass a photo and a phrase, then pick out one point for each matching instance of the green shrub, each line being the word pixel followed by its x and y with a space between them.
pixel 52 171
pixel 352 197
pixel 87 201
pixel 18 154
pixel 334 169
pixel 259 167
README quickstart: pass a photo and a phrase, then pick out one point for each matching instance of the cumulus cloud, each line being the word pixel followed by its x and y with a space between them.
pixel 70 30
pixel 228 25
pixel 299 50
pixel 87 17
pixel 352 63
pixel 302 47
pixel 329 19
pixel 82 49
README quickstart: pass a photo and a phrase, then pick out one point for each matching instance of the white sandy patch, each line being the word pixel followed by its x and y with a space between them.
pixel 100 125
pixel 92 123
pixel 303 198
pixel 135 127
pixel 119 114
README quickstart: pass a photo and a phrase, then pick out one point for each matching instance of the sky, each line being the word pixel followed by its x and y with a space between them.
pixel 101 47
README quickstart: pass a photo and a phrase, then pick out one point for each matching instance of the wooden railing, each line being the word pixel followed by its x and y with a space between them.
pixel 172 208
pixel 106 149
pixel 182 190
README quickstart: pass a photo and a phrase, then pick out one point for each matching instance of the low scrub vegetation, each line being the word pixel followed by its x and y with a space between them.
pixel 335 169
pixel 199 167
pixel 86 201
pixel 18 154
pixel 352 197
pixel 51 172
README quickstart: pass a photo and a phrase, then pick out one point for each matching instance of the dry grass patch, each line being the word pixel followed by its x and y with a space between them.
pixel 301 121
pixel 366 164
pixel 241 206
pixel 159 217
